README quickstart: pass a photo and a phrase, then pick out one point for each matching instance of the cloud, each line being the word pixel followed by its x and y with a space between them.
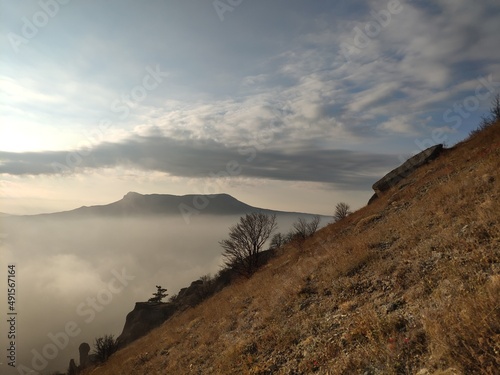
pixel 231 82
pixel 199 158
pixel 378 94
pixel 399 124
pixel 223 75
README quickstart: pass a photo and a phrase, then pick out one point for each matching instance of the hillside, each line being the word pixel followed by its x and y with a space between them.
pixel 410 284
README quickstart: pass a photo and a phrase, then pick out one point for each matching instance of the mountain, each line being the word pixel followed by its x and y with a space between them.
pixel 135 204
pixel 409 284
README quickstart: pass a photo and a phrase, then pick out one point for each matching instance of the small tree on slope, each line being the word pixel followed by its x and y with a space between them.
pixel 159 295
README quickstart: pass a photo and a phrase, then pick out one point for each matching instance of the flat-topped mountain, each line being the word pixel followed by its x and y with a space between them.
pixel 166 204
pixel 135 204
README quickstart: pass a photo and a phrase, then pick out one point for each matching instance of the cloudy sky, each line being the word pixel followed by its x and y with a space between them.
pixel 287 104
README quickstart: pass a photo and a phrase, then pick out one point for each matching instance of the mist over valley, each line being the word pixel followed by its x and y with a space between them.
pixel 90 265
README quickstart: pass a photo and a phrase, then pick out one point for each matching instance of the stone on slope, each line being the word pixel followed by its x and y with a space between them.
pixel 404 170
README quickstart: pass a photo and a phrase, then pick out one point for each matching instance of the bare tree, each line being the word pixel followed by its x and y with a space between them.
pixel 342 210
pixel 312 226
pixel 277 241
pixel 303 229
pixel 245 242
pixel 291 236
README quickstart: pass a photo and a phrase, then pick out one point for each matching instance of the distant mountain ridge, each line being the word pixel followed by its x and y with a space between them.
pixel 135 204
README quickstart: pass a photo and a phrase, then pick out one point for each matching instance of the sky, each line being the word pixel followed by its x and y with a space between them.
pixel 293 105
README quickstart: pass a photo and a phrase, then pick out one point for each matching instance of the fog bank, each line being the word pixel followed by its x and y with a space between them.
pixel 83 275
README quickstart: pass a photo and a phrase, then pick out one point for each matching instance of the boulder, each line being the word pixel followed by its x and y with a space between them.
pixel 404 170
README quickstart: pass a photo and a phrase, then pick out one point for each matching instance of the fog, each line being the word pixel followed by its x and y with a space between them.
pixel 84 275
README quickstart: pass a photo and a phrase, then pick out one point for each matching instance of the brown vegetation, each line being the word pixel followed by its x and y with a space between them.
pixel 407 285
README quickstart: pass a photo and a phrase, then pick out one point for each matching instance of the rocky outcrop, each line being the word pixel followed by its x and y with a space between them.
pixel 404 170
pixel 85 360
pixel 147 315
pixel 84 350
pixel 143 318
pixel 73 368
pixel 192 295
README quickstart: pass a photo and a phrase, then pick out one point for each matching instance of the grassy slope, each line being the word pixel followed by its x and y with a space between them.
pixel 410 283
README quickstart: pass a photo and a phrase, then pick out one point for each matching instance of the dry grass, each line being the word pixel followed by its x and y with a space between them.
pixel 407 285
pixel 467 332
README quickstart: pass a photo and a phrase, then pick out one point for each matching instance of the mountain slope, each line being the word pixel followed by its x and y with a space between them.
pixel 409 284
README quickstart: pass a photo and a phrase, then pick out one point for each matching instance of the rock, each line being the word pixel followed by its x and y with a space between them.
pixel 143 319
pixel 393 306
pixel 373 198
pixel 408 167
pixel 85 360
pixel 147 315
pixel 73 369
pixel 192 290
pixel 84 350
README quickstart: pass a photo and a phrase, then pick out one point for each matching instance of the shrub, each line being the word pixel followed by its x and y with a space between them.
pixel 342 210
pixel 104 347
pixel 490 119
pixel 303 229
